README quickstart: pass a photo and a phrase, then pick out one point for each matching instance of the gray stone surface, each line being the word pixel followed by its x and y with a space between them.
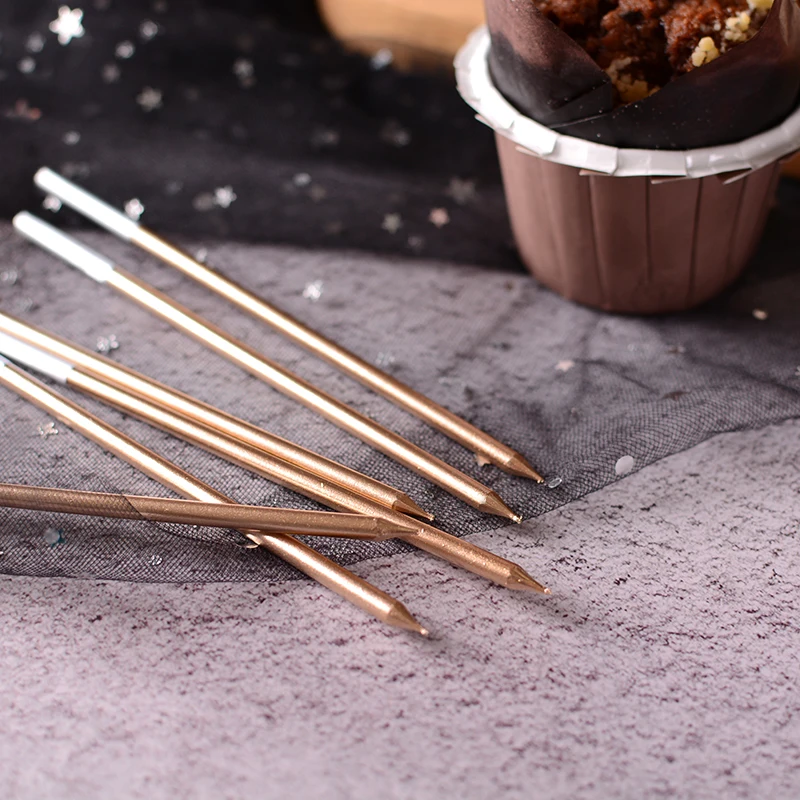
pixel 665 664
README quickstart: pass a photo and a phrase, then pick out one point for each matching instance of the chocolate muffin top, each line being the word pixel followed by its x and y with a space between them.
pixel 643 44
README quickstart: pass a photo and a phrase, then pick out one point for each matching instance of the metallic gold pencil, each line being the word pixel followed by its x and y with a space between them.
pixel 102 270
pixel 316 566
pixel 194 512
pixel 450 548
pixel 486 447
pixel 184 405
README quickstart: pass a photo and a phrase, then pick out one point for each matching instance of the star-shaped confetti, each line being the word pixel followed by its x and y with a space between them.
pixel 439 217
pixel 150 99
pixel 392 223
pixel 134 208
pixel 462 191
pixel 69 24
pixel 224 196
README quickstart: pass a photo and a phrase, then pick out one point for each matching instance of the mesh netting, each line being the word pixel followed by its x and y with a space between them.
pixel 327 152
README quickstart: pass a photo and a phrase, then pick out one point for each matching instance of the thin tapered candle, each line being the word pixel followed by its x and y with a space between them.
pixel 103 270
pixel 340 580
pixel 186 406
pixel 486 447
pixel 194 512
pixel 443 545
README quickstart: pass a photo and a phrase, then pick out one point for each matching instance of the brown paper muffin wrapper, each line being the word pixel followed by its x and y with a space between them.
pixel 624 229
pixel 633 245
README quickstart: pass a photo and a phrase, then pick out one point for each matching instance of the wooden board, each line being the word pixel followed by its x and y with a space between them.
pixel 419 32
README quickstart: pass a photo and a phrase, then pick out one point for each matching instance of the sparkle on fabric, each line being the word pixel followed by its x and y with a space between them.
pixel 392 223
pixel 313 291
pixel 105 344
pixel 624 466
pixel 68 25
pixel 134 208
pixel 49 429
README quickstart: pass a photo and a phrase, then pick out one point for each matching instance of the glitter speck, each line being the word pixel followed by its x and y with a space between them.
pixel 243 69
pixel 35 43
pixel 48 430
pixel 148 30
pixel 125 50
pixel 134 208
pixel 22 110
pixel 301 179
pixel 416 243
pixel 150 99
pixel 224 196
pixel 392 223
pixel 384 360
pixel 71 137
pixel 53 537
pixel 155 561
pixel 395 134
pixel 68 25
pixel 439 217
pixel 760 314
pixel 203 202
pixel 324 138
pixel 51 203
pixel 313 291
pixel 382 59
pixel 173 187
pixel 624 465
pixel 462 191
pixel 105 344
pixel 565 366
pixel 26 65
pixel 9 277
pixel 317 193
pixel 110 73
pixel 555 483
pixel 201 255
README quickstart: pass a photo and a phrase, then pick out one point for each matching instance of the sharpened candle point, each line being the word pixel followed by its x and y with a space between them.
pixel 400 617
pixel 520 580
pixel 405 505
pixel 494 505
pixel 518 465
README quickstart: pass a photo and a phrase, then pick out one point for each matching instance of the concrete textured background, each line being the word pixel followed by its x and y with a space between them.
pixel 665 664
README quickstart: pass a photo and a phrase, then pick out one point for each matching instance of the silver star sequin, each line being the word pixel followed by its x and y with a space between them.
pixel 149 99
pixel 148 30
pixel 224 196
pixel 462 191
pixel 439 217
pixel 313 291
pixel 392 223
pixel 125 50
pixel 134 208
pixel 68 25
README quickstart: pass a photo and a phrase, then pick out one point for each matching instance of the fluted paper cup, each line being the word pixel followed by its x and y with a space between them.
pixel 630 231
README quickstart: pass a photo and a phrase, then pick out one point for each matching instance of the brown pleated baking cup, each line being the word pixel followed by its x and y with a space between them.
pixel 637 245
pixel 623 229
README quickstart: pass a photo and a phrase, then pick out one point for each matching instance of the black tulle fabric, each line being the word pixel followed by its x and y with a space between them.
pixel 337 165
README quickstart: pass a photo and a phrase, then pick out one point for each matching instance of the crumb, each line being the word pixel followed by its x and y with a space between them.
pixel 705 52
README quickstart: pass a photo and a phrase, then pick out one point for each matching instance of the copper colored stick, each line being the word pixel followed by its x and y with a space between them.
pixel 485 446
pixel 338 579
pixel 194 512
pixel 186 406
pixel 450 548
pixel 102 270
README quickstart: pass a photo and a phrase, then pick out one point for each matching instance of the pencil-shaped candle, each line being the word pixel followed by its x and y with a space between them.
pixel 186 406
pixel 486 447
pixel 443 545
pixel 340 580
pixel 194 512
pixel 103 270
